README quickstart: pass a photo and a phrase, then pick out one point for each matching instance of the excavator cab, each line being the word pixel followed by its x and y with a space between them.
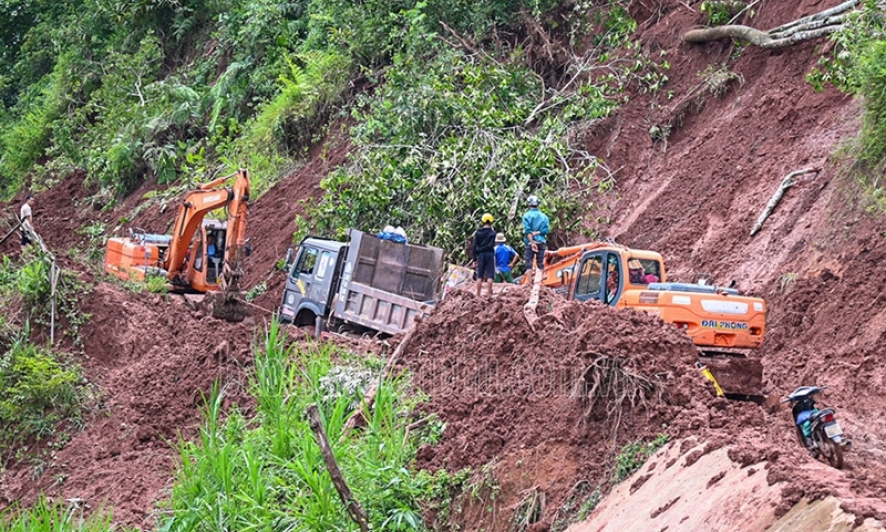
pixel 204 264
pixel 605 274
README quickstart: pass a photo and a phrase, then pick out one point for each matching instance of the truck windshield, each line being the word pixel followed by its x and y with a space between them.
pixel 306 261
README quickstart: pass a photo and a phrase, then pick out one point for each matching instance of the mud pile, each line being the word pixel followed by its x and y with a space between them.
pixel 524 399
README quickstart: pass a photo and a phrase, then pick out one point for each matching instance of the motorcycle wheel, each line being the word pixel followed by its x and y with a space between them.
pixel 831 450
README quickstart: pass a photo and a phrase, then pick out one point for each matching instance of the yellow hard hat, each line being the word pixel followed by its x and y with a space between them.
pixel 487 218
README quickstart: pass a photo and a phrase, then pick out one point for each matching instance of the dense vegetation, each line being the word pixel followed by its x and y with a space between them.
pixel 475 106
pixel 857 66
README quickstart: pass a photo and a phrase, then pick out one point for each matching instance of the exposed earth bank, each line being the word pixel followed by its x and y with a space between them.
pixel 507 393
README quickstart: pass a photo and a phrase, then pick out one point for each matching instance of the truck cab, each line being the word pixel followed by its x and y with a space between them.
pixel 310 284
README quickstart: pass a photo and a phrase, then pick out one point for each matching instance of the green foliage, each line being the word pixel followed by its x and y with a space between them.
pixel 256 291
pixel 94 252
pixel 633 455
pixel 720 12
pixel 25 142
pixel 578 506
pixel 286 125
pixel 444 141
pixel 46 516
pixel 37 391
pixel 857 66
pixel 267 473
pixel 25 284
pixel 156 284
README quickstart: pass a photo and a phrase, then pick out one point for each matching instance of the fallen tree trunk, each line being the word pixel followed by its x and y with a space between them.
pixel 810 27
pixel 754 36
pixel 530 309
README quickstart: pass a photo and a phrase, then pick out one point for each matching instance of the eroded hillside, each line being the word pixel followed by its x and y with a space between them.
pixel 693 195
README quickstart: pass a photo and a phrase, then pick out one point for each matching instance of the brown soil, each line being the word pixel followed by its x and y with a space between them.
pixel 513 398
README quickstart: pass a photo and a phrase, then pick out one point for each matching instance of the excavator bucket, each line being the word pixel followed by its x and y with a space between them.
pixel 228 307
pixel 739 378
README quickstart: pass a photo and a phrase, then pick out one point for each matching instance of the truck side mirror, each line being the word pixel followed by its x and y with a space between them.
pixel 287 262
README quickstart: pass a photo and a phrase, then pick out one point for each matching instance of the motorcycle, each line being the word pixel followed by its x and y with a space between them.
pixel 817 430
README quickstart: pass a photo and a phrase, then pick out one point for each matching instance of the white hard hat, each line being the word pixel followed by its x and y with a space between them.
pixel 533 201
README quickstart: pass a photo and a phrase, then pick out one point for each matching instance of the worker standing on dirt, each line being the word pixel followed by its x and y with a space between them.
pixel 25 215
pixel 484 253
pixel 535 229
pixel 505 260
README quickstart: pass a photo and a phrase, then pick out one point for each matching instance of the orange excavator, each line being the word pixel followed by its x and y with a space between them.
pixel 722 323
pixel 201 255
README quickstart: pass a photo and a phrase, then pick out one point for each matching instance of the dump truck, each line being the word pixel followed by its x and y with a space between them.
pixel 201 255
pixel 366 282
pixel 724 325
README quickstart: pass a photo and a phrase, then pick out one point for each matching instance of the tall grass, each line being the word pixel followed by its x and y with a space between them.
pixel 267 473
pixel 47 516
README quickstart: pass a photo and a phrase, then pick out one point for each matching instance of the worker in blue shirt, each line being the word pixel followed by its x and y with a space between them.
pixel 535 229
pixel 210 246
pixel 505 260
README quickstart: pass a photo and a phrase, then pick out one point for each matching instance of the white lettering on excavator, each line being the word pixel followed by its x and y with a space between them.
pixel 730 325
pixel 210 199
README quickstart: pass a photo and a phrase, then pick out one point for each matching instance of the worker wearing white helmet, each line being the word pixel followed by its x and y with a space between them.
pixel 535 230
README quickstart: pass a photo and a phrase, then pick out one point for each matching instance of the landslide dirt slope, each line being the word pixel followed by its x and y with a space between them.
pixel 695 199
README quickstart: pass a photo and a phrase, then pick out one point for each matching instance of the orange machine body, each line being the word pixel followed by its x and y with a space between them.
pixel 713 317
pixel 184 257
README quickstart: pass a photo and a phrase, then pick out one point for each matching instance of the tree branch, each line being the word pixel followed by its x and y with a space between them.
pixel 357 513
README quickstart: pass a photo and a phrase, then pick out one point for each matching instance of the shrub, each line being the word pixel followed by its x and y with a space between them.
pixel 857 66
pixel 37 392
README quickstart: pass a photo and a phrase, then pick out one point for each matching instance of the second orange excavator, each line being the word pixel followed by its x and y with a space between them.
pixel 201 255
pixel 721 323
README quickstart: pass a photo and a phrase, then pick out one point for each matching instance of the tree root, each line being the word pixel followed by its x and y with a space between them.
pixel 611 383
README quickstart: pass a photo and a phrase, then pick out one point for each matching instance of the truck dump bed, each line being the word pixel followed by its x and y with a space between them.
pixel 385 285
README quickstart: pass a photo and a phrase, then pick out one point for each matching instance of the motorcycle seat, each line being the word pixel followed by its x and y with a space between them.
pixel 805 416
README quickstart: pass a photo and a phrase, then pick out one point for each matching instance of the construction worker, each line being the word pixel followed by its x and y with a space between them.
pixel 535 229
pixel 211 250
pixel 505 260
pixel 26 216
pixel 484 253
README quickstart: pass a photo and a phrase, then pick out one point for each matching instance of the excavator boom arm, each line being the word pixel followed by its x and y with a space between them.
pixel 194 208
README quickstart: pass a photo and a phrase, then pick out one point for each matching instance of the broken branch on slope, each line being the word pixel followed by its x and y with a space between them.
pixel 786 183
